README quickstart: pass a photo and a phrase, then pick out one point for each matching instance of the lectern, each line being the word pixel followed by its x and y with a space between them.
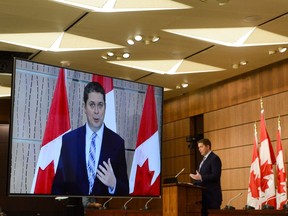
pixel 181 199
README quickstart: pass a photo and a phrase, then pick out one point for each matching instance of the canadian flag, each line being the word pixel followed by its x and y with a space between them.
pixel 145 170
pixel 281 172
pixel 267 159
pixel 107 83
pixel 57 125
pixel 254 189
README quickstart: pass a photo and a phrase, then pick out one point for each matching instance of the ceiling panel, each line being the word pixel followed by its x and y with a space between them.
pixel 108 31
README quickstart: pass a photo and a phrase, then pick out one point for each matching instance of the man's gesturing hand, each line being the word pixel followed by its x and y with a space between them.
pixel 106 175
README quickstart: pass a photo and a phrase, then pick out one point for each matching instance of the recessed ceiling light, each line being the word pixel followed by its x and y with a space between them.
pixel 104 57
pixel 243 62
pixel 235 66
pixel 65 63
pixel 222 2
pixel 252 18
pixel 184 85
pixel 155 39
pixel 282 49
pixel 138 37
pixel 130 42
pixel 126 55
pixel 110 53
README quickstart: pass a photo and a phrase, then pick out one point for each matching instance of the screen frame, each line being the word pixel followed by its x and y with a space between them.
pixel 160 128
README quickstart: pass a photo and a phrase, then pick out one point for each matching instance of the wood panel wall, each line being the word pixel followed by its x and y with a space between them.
pixel 230 110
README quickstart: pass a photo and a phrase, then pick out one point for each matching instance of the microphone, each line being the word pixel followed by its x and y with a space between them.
pixel 146 204
pixel 125 204
pixel 173 179
pixel 267 206
pixel 285 206
pixel 179 173
pixel 228 206
pixel 105 203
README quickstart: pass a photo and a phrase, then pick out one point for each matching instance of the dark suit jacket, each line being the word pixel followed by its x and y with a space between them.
pixel 71 176
pixel 211 176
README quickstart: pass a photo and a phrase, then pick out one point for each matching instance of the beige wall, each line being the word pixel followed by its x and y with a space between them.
pixel 230 110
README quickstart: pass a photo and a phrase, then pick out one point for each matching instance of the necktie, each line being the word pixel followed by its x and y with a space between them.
pixel 91 163
pixel 204 158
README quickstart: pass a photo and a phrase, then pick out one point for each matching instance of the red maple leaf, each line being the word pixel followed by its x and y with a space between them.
pixel 266 170
pixel 45 179
pixel 281 178
pixel 254 184
pixel 143 181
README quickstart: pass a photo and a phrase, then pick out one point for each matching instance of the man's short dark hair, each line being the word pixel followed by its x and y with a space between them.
pixel 205 142
pixel 93 87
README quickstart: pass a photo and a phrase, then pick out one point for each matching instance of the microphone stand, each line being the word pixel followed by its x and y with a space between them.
pixel 285 206
pixel 146 204
pixel 125 204
pixel 105 203
pixel 228 206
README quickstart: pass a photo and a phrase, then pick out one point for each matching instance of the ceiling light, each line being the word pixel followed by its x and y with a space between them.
pixel 184 85
pixel 178 87
pixel 65 63
pixel 126 55
pixel 282 49
pixel 271 52
pixel 130 42
pixel 235 66
pixel 243 62
pixel 104 57
pixel 222 2
pixel 155 39
pixel 110 53
pixel 138 37
pixel 147 41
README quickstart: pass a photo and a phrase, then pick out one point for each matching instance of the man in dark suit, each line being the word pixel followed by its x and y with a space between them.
pixel 92 159
pixel 209 176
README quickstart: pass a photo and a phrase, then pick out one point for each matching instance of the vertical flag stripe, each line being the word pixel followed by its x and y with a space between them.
pixel 148 124
pixel 145 170
pixel 106 82
pixel 58 123
pixel 254 190
pixel 281 196
pixel 267 159
pixel 58 120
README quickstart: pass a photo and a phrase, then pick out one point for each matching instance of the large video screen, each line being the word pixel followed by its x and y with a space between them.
pixel 75 133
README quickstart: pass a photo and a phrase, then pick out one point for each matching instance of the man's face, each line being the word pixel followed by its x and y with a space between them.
pixel 203 149
pixel 95 110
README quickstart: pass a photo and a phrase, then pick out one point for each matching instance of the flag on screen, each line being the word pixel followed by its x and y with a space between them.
pixel 110 117
pixel 281 193
pixel 254 189
pixel 267 159
pixel 145 170
pixel 58 123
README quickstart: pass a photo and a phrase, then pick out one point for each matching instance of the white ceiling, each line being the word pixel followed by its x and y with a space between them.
pixel 198 43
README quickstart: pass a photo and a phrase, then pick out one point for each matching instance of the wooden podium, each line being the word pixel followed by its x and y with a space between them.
pixel 181 199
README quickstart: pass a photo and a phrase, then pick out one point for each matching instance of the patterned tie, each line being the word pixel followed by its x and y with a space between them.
pixel 91 163
pixel 204 158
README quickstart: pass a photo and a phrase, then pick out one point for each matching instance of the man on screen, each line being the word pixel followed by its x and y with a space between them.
pixel 92 159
